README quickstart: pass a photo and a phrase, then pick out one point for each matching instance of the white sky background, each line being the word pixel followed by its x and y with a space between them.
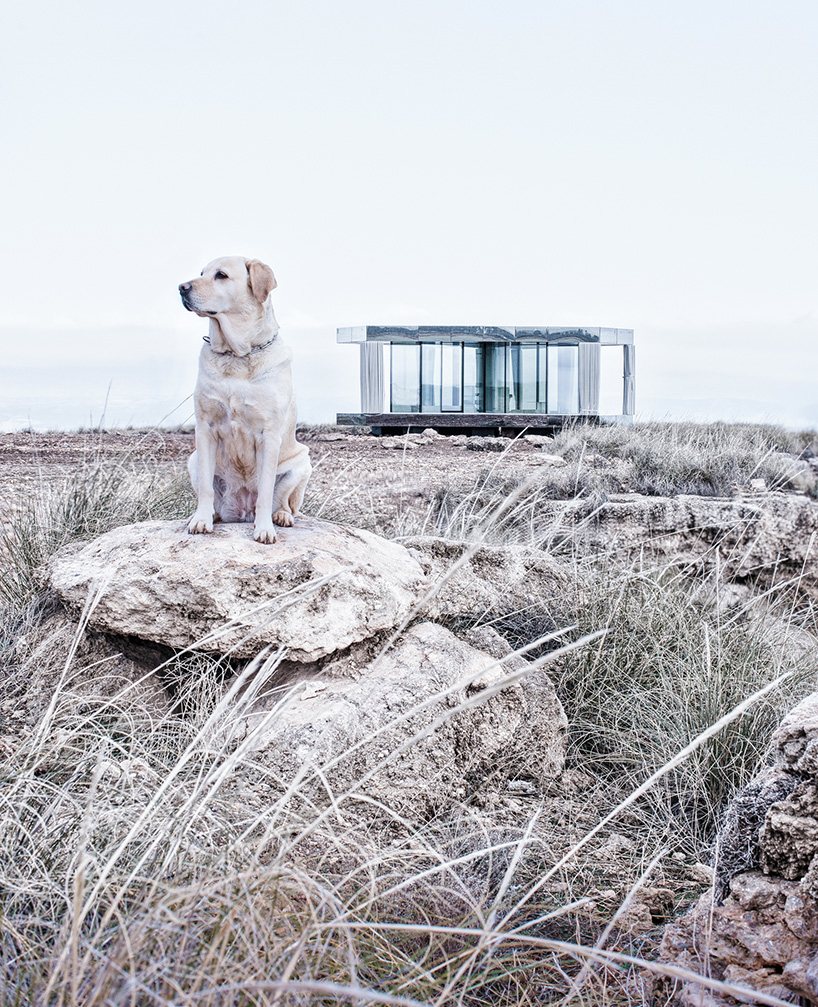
pixel 633 163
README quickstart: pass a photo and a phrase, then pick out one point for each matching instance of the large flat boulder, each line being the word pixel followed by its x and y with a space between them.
pixel 422 726
pixel 227 594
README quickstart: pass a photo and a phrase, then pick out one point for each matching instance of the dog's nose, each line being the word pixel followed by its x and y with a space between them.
pixel 184 287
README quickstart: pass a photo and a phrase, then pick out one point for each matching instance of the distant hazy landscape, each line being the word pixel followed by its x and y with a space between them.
pixel 697 375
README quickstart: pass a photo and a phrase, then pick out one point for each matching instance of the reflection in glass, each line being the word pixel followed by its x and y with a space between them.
pixel 492 378
pixel 473 358
pixel 542 377
pixel 430 377
pixel 611 380
pixel 495 377
pixel 452 354
pixel 522 393
pixel 563 380
pixel 405 377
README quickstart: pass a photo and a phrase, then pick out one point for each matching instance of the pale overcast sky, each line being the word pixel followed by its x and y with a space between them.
pixel 645 164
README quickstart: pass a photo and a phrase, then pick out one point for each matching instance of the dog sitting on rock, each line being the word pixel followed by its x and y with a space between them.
pixel 247 465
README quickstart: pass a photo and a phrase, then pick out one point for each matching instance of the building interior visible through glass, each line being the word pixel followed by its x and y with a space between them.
pixel 485 378
pixel 519 376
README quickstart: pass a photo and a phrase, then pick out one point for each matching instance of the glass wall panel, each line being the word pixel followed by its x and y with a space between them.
pixel 611 380
pixel 405 378
pixel 522 392
pixel 430 377
pixel 563 380
pixel 542 378
pixel 473 367
pixel 452 397
pixel 495 377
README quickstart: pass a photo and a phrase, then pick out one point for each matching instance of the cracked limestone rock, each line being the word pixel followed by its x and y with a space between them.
pixel 225 593
pixel 759 927
pixel 421 727
pixel 465 579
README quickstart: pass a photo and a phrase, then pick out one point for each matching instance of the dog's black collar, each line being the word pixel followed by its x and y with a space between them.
pixel 230 353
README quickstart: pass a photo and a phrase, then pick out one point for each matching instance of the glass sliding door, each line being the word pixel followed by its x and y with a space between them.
pixel 405 378
pixel 430 377
pixel 495 377
pixel 452 367
pixel 522 373
pixel 542 378
pixel 474 357
pixel 563 380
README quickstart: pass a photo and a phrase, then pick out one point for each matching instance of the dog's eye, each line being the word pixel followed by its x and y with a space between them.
pixel 221 276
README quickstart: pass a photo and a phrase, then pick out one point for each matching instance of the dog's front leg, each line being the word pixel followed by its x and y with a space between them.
pixel 268 451
pixel 202 520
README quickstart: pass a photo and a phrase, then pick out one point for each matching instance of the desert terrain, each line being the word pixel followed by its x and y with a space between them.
pixel 646 601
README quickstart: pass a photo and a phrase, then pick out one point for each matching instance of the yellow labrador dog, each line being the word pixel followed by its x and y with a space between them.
pixel 247 465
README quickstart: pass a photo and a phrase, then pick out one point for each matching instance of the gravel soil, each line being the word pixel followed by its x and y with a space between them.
pixel 356 477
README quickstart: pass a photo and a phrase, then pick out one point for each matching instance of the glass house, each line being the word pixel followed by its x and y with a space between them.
pixel 487 378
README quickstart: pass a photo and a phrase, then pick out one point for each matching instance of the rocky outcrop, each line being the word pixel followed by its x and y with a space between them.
pixel 755 536
pixel 409 724
pixel 319 589
pixel 421 726
pixel 758 928
pixel 531 579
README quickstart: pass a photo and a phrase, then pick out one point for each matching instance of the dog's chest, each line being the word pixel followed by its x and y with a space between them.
pixel 235 403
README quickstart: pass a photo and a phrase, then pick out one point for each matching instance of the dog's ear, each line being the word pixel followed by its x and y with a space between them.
pixel 262 280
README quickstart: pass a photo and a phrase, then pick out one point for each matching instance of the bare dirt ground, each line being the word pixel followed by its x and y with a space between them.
pixel 28 459
pixel 370 476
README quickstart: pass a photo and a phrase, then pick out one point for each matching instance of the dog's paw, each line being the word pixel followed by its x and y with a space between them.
pixel 199 525
pixel 283 518
pixel 264 534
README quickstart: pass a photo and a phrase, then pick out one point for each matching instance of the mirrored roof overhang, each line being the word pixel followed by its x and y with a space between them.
pixel 567 334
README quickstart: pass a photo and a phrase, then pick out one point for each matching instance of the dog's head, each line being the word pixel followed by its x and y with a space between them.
pixel 231 285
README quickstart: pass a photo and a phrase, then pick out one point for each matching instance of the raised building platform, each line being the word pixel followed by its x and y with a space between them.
pixel 508 424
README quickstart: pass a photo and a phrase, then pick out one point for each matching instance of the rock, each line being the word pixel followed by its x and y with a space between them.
pixel 788 840
pixel 225 593
pixel 636 918
pixel 538 439
pixel 487 444
pixel 615 845
pixel 410 441
pixel 531 579
pixel 753 539
pixel 703 874
pixel 759 925
pixel 412 758
pixel 749 538
pixel 401 443
pixel 554 461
